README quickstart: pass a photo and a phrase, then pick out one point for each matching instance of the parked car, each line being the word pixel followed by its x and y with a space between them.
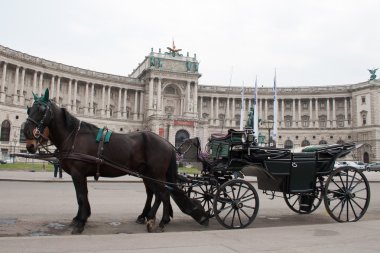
pixel 374 166
pixel 356 164
pixel 5 161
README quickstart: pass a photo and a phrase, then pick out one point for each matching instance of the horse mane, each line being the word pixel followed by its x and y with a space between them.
pixel 71 122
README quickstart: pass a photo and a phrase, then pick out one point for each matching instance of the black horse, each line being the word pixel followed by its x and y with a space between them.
pixel 143 154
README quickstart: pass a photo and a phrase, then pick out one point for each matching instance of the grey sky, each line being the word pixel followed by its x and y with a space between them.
pixel 309 42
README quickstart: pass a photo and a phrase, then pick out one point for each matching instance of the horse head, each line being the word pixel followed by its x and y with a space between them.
pixel 36 128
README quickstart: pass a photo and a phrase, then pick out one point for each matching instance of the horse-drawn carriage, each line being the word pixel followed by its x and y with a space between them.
pixel 219 191
pixel 305 179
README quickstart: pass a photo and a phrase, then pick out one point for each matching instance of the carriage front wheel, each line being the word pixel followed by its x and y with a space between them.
pixel 346 194
pixel 236 204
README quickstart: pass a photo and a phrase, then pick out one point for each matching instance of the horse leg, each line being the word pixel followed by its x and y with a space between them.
pixel 167 209
pixel 84 210
pixel 147 207
pixel 151 217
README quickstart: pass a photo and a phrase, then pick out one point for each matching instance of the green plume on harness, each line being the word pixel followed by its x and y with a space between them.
pixel 44 98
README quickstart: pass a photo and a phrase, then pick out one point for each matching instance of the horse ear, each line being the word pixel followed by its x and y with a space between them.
pixel 35 96
pixel 46 96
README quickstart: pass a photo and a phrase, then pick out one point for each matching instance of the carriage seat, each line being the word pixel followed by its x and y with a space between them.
pixel 226 137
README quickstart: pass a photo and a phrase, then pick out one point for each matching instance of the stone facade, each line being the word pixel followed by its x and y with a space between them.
pixel 163 95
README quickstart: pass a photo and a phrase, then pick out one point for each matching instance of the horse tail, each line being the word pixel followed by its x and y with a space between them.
pixel 172 172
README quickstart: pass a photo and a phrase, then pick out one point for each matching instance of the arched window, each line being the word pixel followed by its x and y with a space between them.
pixel 5 130
pixel 305 143
pixel 288 144
pixel 180 137
pixel 322 142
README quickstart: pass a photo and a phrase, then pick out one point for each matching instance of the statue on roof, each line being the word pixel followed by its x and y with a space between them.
pixel 373 74
pixel 173 50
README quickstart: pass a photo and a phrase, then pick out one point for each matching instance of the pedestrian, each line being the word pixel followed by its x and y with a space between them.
pixel 57 169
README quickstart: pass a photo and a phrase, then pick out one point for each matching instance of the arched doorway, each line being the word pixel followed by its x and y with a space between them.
pixel 366 157
pixel 181 136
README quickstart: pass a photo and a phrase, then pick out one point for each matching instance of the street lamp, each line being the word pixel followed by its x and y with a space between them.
pixel 269 125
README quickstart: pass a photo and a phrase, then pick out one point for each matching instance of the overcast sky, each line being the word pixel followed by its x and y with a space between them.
pixel 309 42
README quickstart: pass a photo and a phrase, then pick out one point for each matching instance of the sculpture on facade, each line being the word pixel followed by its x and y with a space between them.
pixel 173 50
pixel 373 74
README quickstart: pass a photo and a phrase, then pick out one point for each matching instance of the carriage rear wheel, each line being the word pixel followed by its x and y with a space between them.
pixel 305 203
pixel 347 194
pixel 236 204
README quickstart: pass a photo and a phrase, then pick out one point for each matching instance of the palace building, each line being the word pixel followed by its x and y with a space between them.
pixel 163 95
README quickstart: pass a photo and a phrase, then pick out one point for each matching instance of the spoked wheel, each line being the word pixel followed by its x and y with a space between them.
pixel 204 193
pixel 305 203
pixel 236 204
pixel 346 194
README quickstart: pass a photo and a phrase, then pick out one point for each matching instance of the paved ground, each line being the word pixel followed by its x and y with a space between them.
pixel 42 206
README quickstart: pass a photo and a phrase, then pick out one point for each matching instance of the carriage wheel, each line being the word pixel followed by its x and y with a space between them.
pixel 236 204
pixel 295 201
pixel 346 194
pixel 205 194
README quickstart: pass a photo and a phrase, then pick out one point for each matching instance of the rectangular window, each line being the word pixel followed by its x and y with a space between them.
pixel 363 100
pixel 288 105
pixel 305 105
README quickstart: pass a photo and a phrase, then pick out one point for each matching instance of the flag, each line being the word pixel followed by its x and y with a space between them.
pixel 242 108
pixel 274 132
pixel 255 113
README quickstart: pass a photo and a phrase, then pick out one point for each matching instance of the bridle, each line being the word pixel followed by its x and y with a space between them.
pixel 42 124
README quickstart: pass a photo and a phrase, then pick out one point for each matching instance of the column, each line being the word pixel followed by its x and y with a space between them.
pixel 188 109
pixel 119 105
pixel 328 112
pixel 195 97
pixel 92 99
pixel 217 111
pixel 233 123
pixel 108 112
pixel 125 104
pixel 40 83
pixel 293 112
pixel 35 83
pixel 150 94
pixel 141 114
pixel 15 95
pixel 266 109
pixel 135 109
pixel 282 113
pixel 86 100
pixel 316 113
pixel 212 110
pixel 103 100
pixel 52 89
pixel 75 96
pixel 68 106
pixel 333 112
pixel 299 111
pixel 228 116
pixel 310 112
pixel 2 89
pixel 22 99
pixel 201 108
pixel 159 87
pixel 58 90
pixel 345 112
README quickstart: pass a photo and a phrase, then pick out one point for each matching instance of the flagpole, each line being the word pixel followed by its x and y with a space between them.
pixel 242 108
pixel 274 132
pixel 255 113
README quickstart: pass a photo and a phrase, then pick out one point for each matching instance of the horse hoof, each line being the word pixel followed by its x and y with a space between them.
pixel 140 220
pixel 151 225
pixel 74 223
pixel 77 230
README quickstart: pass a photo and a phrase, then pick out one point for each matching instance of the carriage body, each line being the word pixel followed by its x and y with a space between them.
pixel 304 178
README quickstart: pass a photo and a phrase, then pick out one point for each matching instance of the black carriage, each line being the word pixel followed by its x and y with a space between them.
pixel 304 179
